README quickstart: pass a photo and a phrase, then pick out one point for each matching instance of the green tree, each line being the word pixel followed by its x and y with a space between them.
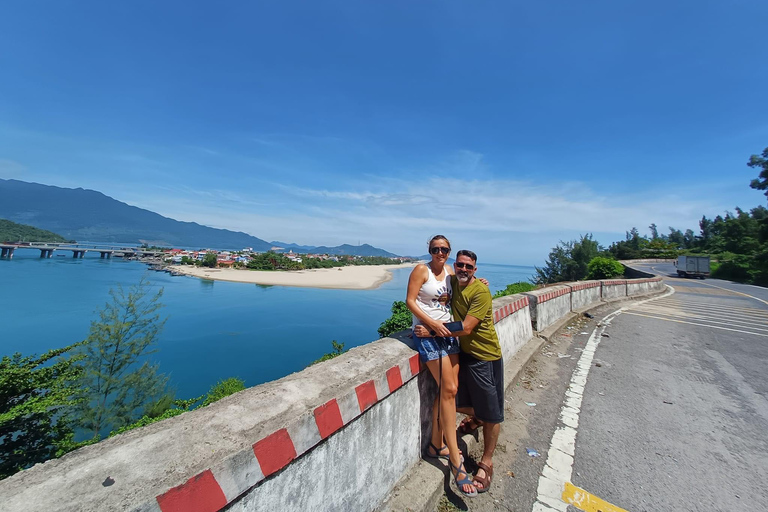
pixel 760 162
pixel 118 380
pixel 568 261
pixel 604 268
pixel 400 320
pixel 36 392
pixel 338 349
pixel 210 260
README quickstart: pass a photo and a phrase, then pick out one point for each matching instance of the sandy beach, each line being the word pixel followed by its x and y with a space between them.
pixel 362 277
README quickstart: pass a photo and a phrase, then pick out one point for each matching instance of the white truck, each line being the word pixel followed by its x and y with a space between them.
pixel 693 266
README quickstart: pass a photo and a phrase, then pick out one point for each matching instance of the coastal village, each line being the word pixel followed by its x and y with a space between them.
pixel 226 259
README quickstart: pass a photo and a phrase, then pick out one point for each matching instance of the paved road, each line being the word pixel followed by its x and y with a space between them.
pixel 668 412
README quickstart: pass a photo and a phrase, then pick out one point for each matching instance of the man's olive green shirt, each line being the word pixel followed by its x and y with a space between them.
pixel 475 300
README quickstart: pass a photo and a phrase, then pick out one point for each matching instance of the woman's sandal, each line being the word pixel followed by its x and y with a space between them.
pixel 461 482
pixel 484 481
pixel 436 453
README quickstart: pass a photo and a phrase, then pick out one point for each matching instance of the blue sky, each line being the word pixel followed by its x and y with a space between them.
pixel 506 126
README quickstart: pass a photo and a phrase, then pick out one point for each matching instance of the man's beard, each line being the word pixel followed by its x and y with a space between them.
pixel 463 278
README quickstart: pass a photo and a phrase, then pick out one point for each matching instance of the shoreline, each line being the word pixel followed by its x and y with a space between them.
pixel 352 277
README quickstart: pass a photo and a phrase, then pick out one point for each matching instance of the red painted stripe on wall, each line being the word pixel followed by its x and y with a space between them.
pixel 366 395
pixel 201 493
pixel 328 418
pixel 394 379
pixel 274 452
pixel 414 362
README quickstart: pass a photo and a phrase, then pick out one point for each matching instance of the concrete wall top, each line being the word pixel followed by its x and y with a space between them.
pixel 549 293
pixel 508 305
pixel 584 285
pixel 613 282
pixel 214 454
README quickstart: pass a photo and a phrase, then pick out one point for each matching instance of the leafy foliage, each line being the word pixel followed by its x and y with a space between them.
pixel 228 387
pixel 400 320
pixel 604 268
pixel 338 349
pixel 511 289
pixel 210 260
pixel 568 261
pixel 13 232
pixel 277 261
pixel 35 393
pixel 117 378
pixel 218 391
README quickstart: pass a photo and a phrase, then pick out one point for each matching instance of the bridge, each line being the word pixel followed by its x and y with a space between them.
pixel 78 250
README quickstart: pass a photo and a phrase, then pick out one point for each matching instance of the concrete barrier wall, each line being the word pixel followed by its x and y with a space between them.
pixel 585 294
pixel 643 286
pixel 512 319
pixel 613 288
pixel 336 436
pixel 548 305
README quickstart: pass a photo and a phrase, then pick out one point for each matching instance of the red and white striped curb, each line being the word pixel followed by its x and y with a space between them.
pixel 544 297
pixel 213 488
pixel 584 286
pixel 509 309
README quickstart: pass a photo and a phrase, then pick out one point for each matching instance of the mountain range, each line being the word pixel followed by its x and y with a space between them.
pixel 88 215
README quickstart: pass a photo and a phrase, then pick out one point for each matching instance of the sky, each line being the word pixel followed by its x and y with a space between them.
pixel 506 126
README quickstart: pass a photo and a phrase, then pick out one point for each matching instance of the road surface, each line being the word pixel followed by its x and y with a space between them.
pixel 661 405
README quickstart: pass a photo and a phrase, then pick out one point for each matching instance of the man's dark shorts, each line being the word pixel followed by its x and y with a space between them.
pixel 481 386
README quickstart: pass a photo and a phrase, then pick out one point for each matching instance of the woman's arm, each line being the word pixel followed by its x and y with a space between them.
pixel 419 276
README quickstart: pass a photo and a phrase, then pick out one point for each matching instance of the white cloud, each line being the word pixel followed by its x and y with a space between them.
pixel 11 169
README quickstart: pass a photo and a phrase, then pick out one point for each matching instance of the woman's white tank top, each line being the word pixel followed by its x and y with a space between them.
pixel 434 298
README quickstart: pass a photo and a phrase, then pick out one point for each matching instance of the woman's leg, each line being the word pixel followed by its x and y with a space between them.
pixel 447 403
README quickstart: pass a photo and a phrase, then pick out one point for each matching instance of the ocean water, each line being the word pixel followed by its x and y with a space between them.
pixel 214 329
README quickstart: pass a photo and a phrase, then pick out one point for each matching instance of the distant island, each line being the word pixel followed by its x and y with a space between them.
pixel 12 232
pixel 88 215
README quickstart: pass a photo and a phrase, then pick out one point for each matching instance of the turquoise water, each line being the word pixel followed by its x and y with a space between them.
pixel 214 330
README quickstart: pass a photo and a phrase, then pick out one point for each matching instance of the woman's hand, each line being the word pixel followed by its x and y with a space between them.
pixel 421 331
pixel 483 280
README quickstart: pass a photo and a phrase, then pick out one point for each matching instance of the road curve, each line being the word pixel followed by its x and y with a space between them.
pixel 661 405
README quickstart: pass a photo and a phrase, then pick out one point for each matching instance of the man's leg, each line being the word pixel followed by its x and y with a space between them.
pixel 490 438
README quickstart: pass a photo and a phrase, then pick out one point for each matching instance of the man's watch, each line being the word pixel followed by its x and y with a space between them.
pixel 432 333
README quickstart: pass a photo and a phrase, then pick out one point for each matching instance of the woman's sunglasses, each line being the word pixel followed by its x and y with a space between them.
pixel 444 250
pixel 467 266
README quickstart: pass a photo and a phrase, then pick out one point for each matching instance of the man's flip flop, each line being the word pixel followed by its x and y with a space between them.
pixel 484 481
pixel 436 454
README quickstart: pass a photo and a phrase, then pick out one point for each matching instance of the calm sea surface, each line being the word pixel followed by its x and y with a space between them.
pixel 214 330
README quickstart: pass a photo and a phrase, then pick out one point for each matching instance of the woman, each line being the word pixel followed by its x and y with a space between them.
pixel 429 299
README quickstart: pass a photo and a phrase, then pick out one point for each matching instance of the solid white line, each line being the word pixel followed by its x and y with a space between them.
pixel 734 291
pixel 559 466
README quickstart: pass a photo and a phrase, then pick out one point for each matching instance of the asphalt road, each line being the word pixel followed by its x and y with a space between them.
pixel 668 412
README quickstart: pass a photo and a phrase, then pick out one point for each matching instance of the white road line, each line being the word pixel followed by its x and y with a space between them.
pixel 693 323
pixel 734 291
pixel 711 306
pixel 559 466
pixel 723 320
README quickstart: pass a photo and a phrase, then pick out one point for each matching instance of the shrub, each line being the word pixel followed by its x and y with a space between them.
pixel 604 268
pixel 223 388
pixel 511 289
pixel 401 319
pixel 338 349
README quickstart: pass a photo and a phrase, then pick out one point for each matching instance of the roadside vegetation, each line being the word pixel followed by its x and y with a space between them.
pixel 737 242
pixel 13 232
pixel 107 384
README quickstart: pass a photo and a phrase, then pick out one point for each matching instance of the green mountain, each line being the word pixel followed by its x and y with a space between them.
pixel 90 216
pixel 13 232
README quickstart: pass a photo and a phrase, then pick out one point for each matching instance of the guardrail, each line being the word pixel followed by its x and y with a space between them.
pixel 335 436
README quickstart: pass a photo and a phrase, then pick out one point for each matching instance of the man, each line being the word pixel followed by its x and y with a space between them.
pixel 481 368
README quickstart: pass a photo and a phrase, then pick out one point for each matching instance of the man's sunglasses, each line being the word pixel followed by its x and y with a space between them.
pixel 444 250
pixel 464 265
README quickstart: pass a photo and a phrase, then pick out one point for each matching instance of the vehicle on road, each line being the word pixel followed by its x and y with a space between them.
pixel 693 266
